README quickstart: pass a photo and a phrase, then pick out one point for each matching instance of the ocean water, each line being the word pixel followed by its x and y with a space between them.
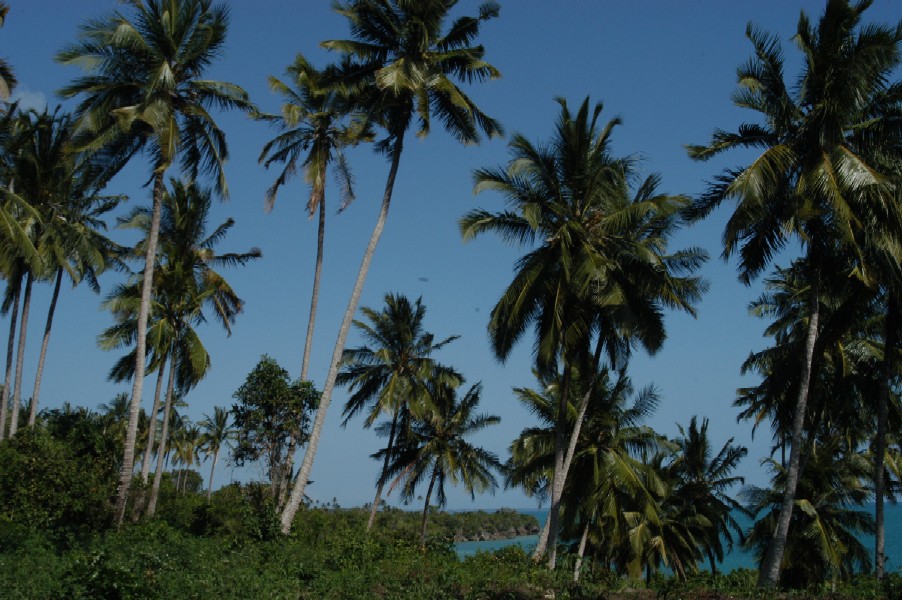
pixel 738 558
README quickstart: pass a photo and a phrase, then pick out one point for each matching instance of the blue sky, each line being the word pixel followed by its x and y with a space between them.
pixel 666 68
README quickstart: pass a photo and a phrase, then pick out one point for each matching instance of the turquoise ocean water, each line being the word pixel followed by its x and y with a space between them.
pixel 736 559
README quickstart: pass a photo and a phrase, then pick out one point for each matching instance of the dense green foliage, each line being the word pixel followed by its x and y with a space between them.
pixel 330 557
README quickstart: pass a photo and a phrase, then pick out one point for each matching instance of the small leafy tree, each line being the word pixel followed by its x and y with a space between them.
pixel 271 415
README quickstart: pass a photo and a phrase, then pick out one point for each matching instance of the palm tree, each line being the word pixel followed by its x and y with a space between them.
pixel 186 284
pixel 599 268
pixel 186 444
pixel 701 481
pixel 608 479
pixel 7 78
pixel 436 449
pixel 216 433
pixel 64 189
pixel 144 92
pixel 812 179
pixel 387 373
pixel 826 528
pixel 313 137
pixel 400 67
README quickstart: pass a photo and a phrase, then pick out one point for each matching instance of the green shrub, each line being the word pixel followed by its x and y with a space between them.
pixel 46 485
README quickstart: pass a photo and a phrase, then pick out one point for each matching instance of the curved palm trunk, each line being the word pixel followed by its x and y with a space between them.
pixel 426 505
pixel 152 425
pixel 889 351
pixel 33 411
pixel 212 468
pixel 557 488
pixel 20 357
pixel 381 484
pixel 131 433
pixel 10 348
pixel 314 299
pixel 300 485
pixel 769 572
pixel 542 543
pixel 580 552
pixel 162 450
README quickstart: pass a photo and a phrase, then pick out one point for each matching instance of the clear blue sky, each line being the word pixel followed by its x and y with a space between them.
pixel 666 68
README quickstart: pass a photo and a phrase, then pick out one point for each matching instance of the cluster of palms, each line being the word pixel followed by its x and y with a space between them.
pixel 635 500
pixel 827 177
pixel 187 441
pixel 593 286
pixel 52 211
pixel 394 375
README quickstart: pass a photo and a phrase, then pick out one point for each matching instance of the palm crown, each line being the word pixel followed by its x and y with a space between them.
pixel 144 89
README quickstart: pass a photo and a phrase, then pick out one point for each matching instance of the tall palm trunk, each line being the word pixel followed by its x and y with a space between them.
pixel 212 468
pixel 162 450
pixel 557 488
pixel 381 484
pixel 426 505
pixel 152 424
pixel 300 485
pixel 33 411
pixel 580 552
pixel 314 296
pixel 769 572
pixel 10 348
pixel 889 351
pixel 20 357
pixel 308 344
pixel 131 433
pixel 542 543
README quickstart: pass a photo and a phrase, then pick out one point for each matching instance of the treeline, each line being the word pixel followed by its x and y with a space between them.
pixel 596 280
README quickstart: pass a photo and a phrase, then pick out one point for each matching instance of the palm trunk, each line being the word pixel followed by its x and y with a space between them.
pixel 300 485
pixel 20 358
pixel 287 468
pixel 381 484
pixel 152 425
pixel 557 488
pixel 542 543
pixel 10 348
pixel 426 506
pixel 769 572
pixel 131 434
pixel 314 296
pixel 580 552
pixel 161 451
pixel 889 351
pixel 212 468
pixel 33 411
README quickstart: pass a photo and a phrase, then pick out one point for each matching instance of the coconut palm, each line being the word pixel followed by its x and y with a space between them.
pixel 186 445
pixel 314 134
pixel 186 284
pixel 61 192
pixel 599 266
pixel 65 191
pixel 216 433
pixel 812 180
pixel 387 373
pixel 144 91
pixel 701 482
pixel 608 479
pixel 436 450
pixel 826 527
pixel 401 66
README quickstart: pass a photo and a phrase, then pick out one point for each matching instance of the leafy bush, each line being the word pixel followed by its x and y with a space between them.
pixel 46 485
